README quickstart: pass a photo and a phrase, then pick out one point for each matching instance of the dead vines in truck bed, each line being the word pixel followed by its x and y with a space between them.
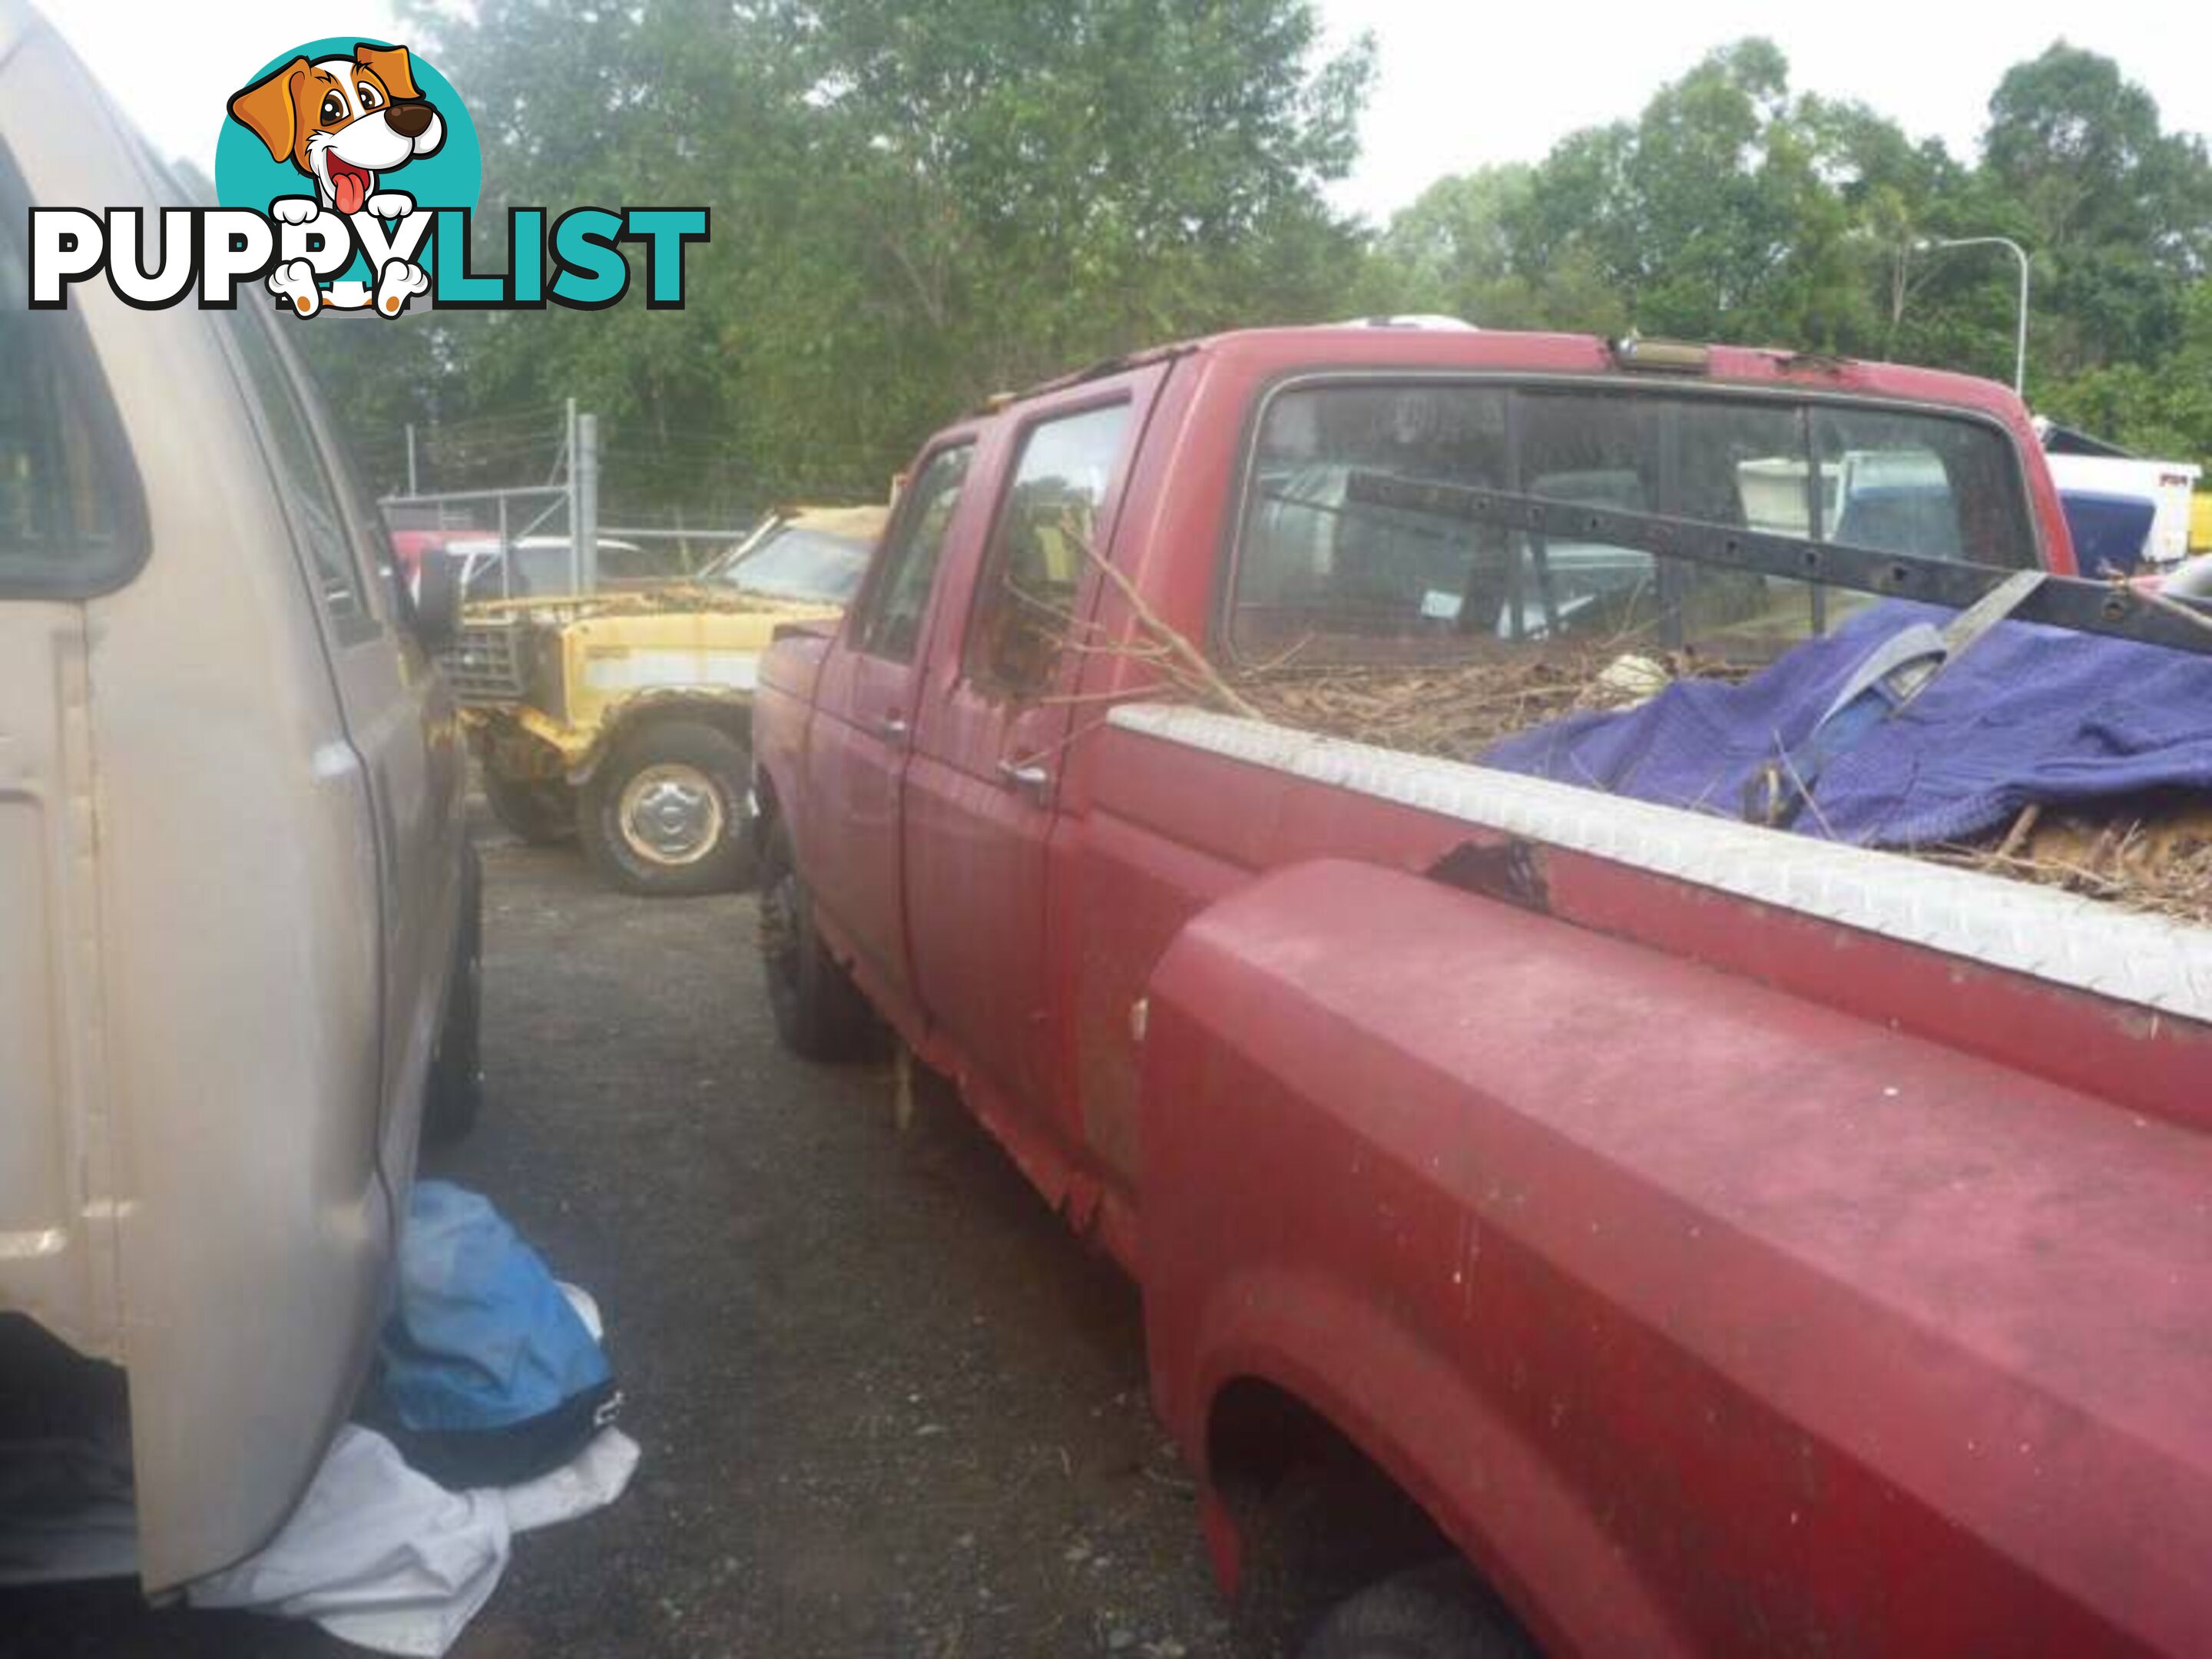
pixel 2150 856
pixel 1457 710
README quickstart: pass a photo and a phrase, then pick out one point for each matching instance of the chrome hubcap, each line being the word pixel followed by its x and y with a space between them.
pixel 671 814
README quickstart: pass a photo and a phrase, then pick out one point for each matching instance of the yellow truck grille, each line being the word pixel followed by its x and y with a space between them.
pixel 485 663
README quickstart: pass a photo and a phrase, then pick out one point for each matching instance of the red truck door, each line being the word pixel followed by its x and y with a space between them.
pixel 864 714
pixel 993 730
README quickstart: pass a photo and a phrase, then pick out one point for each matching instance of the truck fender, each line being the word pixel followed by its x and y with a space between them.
pixel 1291 1235
pixel 1399 1402
pixel 728 712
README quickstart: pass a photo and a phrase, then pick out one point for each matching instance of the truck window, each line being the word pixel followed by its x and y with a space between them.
pixel 1717 461
pixel 1309 554
pixel 311 497
pixel 71 517
pixel 1330 578
pixel 1026 600
pixel 887 622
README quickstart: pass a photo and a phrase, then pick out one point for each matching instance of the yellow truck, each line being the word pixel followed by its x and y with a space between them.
pixel 625 719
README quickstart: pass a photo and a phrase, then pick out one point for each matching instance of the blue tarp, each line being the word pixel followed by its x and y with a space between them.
pixel 483 1338
pixel 2030 714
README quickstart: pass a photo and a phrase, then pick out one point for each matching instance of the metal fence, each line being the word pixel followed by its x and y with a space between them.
pixel 517 540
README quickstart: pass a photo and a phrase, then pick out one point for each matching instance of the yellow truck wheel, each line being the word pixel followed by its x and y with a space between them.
pixel 666 813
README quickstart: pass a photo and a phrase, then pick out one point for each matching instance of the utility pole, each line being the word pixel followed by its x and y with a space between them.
pixel 569 454
pixel 411 489
pixel 587 500
pixel 1937 244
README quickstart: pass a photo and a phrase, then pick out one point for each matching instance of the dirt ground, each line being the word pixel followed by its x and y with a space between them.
pixel 888 1406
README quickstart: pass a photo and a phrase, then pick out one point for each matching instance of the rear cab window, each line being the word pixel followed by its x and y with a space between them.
pixel 1322 577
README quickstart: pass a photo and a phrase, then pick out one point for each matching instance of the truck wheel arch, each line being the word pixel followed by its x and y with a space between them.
pixel 731 715
pixel 1267 1347
pixel 1280 1434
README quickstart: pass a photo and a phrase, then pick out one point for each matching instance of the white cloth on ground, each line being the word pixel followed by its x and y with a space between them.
pixel 387 1558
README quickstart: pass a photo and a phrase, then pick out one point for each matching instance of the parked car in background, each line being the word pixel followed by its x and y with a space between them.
pixel 239 962
pixel 1588 1224
pixel 624 719
pixel 808 555
pixel 544 567
pixel 2083 467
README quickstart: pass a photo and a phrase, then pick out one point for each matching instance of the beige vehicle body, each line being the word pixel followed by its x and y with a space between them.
pixel 231 860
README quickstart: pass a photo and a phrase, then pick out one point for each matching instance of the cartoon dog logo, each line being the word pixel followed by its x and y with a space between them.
pixel 345 123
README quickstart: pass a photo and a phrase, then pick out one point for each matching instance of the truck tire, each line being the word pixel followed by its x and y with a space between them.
pixel 820 1013
pixel 1436 1612
pixel 540 811
pixel 453 1097
pixel 665 814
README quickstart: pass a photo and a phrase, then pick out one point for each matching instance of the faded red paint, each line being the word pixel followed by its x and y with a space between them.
pixel 1719 1277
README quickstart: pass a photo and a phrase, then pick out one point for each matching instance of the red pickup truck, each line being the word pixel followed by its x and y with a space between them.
pixel 1716 1239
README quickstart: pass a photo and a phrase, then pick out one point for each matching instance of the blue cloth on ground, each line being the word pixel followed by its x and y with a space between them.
pixel 2030 714
pixel 481 1338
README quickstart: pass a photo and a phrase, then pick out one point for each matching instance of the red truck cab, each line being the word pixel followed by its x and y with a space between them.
pixel 1722 1241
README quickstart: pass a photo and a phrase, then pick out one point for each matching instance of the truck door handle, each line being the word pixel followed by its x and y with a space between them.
pixel 1027 776
pixel 893 729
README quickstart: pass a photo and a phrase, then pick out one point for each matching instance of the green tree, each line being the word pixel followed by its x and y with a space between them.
pixel 1718 212
pixel 1452 252
pixel 913 207
pixel 2161 408
pixel 2116 211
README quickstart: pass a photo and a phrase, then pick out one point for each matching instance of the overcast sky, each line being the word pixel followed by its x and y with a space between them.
pixel 1462 83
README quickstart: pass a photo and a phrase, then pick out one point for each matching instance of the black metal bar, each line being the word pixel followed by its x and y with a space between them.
pixel 1816 514
pixel 1540 550
pixel 2086 607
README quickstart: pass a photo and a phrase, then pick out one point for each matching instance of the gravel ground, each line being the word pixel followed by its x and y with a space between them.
pixel 889 1407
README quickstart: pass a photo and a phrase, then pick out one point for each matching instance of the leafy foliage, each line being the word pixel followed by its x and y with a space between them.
pixel 916 206
pixel 1733 209
pixel 912 208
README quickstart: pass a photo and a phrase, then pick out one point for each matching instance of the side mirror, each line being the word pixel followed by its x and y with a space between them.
pixel 438 601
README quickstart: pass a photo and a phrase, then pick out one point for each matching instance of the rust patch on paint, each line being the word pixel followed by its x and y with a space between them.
pixel 1511 870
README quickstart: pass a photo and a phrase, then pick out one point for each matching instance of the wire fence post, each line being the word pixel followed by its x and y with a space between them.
pixel 460 520
pixel 575 501
pixel 587 501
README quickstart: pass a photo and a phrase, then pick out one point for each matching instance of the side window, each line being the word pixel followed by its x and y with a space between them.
pixel 71 519
pixel 888 621
pixel 1026 602
pixel 318 522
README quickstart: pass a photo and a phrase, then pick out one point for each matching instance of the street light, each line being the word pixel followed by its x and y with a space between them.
pixel 1937 244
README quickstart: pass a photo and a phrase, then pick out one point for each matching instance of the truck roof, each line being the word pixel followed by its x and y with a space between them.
pixel 1387 345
